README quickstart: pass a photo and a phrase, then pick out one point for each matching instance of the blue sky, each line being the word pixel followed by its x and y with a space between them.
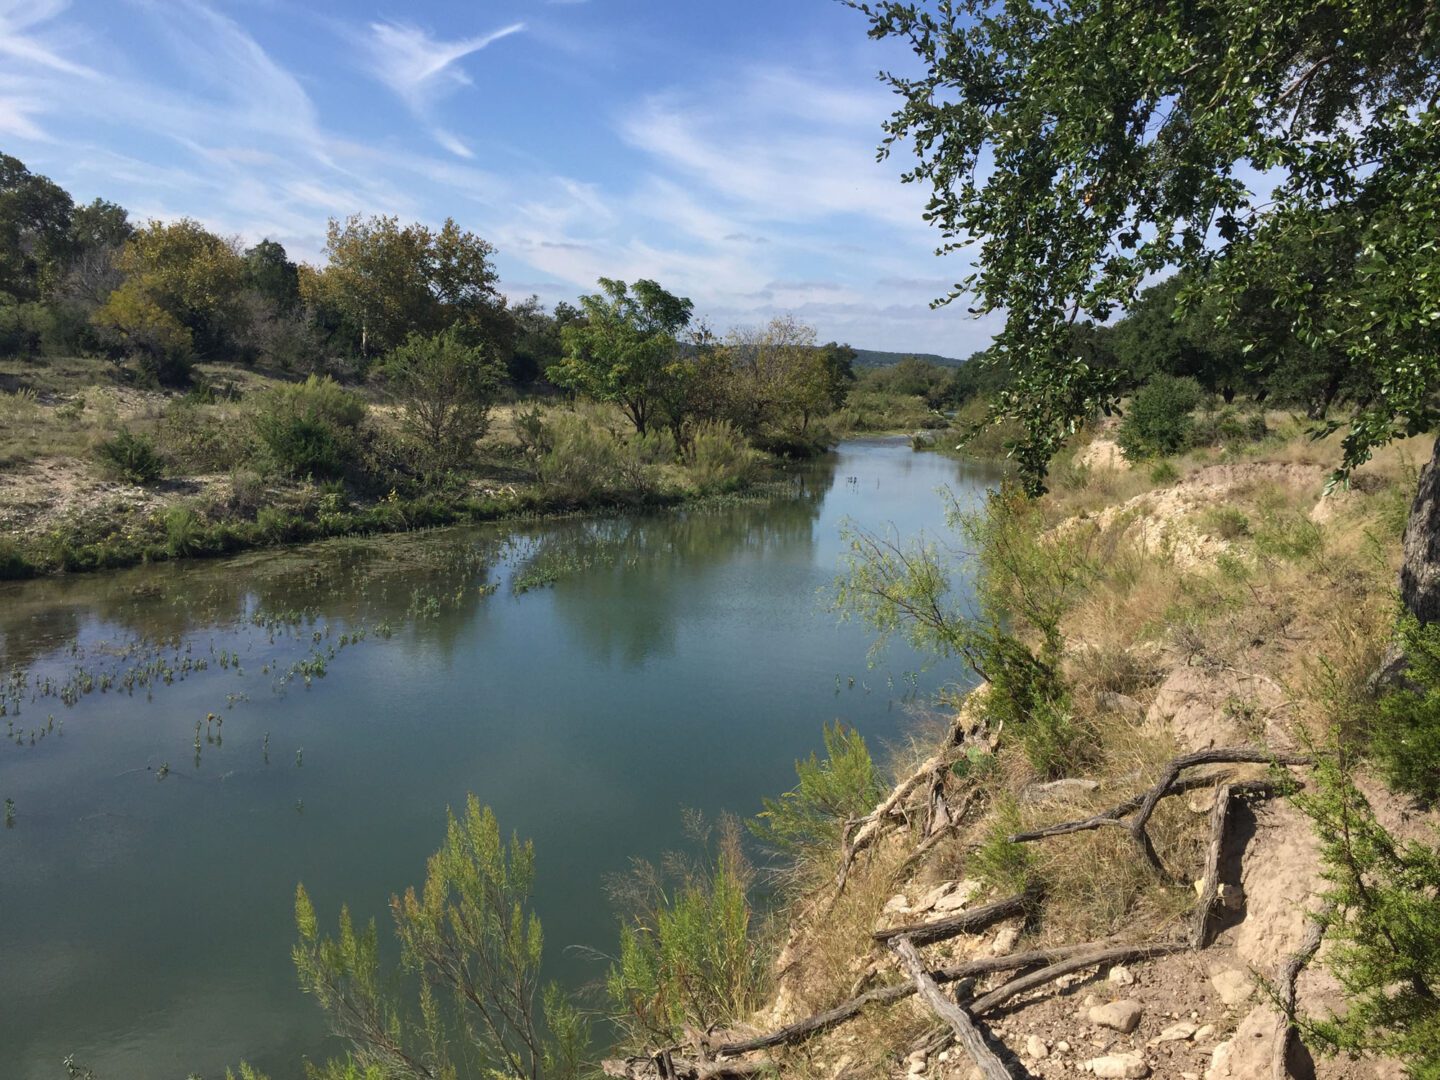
pixel 725 149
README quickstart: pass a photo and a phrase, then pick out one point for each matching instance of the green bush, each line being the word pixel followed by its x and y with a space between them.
pixel 309 428
pixel 808 821
pixel 581 460
pixel 688 957
pixel 1405 735
pixel 131 457
pixel 1381 922
pixel 1229 427
pixel 1158 419
pixel 183 530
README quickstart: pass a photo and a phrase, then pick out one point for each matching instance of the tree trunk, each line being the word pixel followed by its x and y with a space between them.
pixel 1420 570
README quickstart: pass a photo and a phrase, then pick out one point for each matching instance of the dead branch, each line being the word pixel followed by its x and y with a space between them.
pixel 1210 881
pixel 665 1066
pixel 966 1031
pixel 1117 954
pixel 1111 817
pixel 1168 784
pixel 963 922
pixel 1285 980
pixel 810 1026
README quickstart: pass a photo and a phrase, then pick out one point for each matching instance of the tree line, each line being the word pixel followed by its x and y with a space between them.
pixel 415 308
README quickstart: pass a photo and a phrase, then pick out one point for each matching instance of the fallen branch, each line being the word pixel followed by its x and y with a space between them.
pixel 964 922
pixel 813 1025
pixel 960 1021
pixel 665 1066
pixel 1119 953
pixel 1109 817
pixel 1285 989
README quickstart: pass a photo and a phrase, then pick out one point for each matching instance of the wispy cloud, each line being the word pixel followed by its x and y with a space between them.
pixel 420 68
pixel 19 16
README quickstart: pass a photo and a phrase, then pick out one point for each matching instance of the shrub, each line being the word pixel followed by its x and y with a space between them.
pixel 1164 472
pixel 718 457
pixel 1405 736
pixel 687 954
pixel 446 390
pixel 309 428
pixel 131 457
pixel 475 944
pixel 582 460
pixel 183 530
pixel 1382 922
pixel 808 821
pixel 1158 418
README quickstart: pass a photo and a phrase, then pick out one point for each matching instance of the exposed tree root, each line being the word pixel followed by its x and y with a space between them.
pixel 1285 980
pixel 967 1033
pixel 1114 955
pixel 665 1066
pixel 1210 881
pixel 1169 783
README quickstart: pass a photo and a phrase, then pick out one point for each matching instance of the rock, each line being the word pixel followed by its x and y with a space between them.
pixel 1004 941
pixel 915 1063
pixel 1176 1032
pixel 956 899
pixel 1250 1051
pixel 1123 704
pixel 1205 1032
pixel 899 904
pixel 1233 986
pixel 1058 790
pixel 1062 1047
pixel 1035 1047
pixel 1122 1016
pixel 1120 976
pixel 934 896
pixel 1120 1066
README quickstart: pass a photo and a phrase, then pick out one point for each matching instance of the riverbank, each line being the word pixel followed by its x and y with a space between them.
pixel 97 474
pixel 1215 618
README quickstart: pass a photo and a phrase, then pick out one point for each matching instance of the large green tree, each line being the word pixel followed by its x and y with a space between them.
pixel 627 349
pixel 390 280
pixel 35 240
pixel 1082 146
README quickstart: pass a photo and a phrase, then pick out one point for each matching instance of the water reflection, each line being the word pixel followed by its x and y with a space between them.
pixel 358 687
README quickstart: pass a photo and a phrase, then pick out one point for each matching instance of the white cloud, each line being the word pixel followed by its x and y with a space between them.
pixel 18 16
pixel 415 65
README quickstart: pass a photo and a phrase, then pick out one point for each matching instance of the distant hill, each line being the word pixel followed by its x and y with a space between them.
pixel 875 358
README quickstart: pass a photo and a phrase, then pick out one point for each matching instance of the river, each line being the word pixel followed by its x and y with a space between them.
pixel 194 739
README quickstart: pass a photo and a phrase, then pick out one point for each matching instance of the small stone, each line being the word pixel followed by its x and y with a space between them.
pixel 1233 986
pixel 1122 1016
pixel 1118 1066
pixel 1120 976
pixel 899 904
pixel 1123 704
pixel 1204 1032
pixel 1004 941
pixel 915 1063
pixel 959 896
pixel 1090 1001
pixel 1176 1032
pixel 1062 1047
pixel 1036 1048
pixel 934 896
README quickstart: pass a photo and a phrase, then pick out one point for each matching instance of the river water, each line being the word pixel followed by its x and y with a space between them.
pixel 192 740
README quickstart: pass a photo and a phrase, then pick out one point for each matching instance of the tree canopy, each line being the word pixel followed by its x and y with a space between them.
pixel 1087 146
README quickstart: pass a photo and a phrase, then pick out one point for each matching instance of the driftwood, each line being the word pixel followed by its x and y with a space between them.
pixel 1114 955
pixel 966 1032
pixel 964 922
pixel 666 1066
pixel 810 1026
pixel 1168 784
pixel 1285 980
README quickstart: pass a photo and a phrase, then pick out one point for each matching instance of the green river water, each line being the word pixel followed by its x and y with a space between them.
pixel 673 661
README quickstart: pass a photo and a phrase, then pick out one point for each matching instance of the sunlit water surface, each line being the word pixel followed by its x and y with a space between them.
pixel 358 688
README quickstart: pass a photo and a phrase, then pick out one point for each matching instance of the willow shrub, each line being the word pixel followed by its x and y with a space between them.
pixel 689 953
pixel 807 822
pixel 475 946
pixel 1025 580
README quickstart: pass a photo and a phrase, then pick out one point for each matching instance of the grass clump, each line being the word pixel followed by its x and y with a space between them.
pixel 130 457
